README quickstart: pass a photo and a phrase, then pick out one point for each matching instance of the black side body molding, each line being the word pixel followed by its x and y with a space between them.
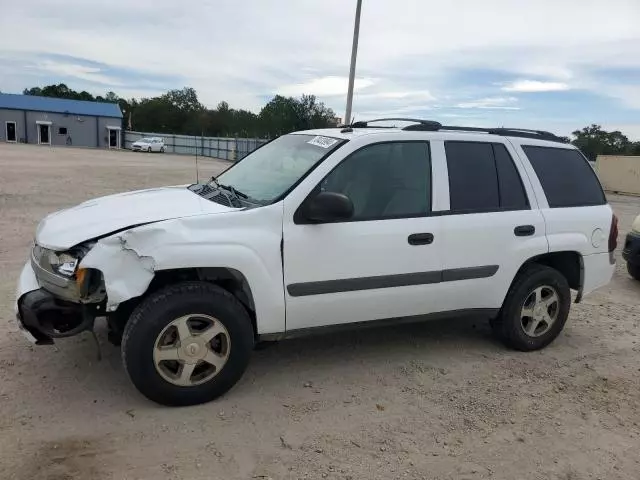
pixel 390 281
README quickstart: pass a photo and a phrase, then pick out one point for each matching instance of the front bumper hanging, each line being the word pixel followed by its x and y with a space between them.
pixel 46 317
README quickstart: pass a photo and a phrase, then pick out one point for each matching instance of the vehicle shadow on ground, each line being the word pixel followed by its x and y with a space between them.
pixel 280 368
pixel 318 355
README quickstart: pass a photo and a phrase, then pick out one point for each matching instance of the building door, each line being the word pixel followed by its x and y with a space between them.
pixel 11 132
pixel 113 138
pixel 44 136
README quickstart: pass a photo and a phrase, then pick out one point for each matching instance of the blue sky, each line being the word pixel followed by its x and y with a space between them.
pixel 555 65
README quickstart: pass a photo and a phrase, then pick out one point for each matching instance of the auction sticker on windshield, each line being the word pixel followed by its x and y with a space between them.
pixel 324 142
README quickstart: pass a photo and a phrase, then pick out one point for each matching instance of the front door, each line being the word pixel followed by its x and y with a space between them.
pixel 382 263
pixel 11 132
pixel 43 131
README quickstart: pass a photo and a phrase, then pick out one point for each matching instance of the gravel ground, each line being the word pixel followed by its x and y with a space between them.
pixel 441 400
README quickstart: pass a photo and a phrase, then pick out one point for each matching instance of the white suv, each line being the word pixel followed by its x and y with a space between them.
pixel 325 228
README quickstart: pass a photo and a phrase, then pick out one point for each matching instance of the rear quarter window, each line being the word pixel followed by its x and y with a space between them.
pixel 566 177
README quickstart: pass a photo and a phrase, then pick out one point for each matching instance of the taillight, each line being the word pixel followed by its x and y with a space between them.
pixel 613 234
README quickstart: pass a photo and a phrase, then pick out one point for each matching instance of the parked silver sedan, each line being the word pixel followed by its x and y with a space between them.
pixel 149 144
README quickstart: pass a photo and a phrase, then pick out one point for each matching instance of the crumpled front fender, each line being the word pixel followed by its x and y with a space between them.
pixel 126 274
pixel 247 242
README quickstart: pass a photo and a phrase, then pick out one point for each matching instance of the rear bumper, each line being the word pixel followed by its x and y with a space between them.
pixel 631 251
pixel 598 271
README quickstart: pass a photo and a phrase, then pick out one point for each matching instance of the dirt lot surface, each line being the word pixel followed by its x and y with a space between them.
pixel 440 400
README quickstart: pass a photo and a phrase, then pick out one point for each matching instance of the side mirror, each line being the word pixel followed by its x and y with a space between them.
pixel 328 207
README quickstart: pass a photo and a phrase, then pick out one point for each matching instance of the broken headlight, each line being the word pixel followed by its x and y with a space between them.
pixel 63 263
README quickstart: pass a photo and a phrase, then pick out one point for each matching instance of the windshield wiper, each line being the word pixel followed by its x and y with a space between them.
pixel 237 193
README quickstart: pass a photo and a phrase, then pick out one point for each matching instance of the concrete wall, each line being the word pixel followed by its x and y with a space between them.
pixel 619 173
pixel 84 131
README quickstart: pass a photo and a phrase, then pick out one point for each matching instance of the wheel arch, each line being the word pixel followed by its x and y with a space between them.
pixel 569 263
pixel 230 279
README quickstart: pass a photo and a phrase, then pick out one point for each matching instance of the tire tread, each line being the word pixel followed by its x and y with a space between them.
pixel 192 288
pixel 504 327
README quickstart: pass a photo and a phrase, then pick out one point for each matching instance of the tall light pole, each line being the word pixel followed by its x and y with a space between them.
pixel 352 69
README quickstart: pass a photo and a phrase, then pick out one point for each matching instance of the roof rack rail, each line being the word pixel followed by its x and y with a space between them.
pixel 418 124
pixel 509 132
pixel 433 126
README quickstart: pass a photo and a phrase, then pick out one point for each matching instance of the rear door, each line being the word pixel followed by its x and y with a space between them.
pixel 574 206
pixel 493 225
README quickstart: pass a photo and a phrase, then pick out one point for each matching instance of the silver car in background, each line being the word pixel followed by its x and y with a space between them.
pixel 149 144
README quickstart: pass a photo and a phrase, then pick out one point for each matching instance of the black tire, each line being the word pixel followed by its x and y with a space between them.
pixel 508 325
pixel 161 149
pixel 161 308
pixel 634 270
pixel 149 150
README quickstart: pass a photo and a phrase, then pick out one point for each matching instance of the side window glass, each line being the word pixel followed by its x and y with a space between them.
pixel 512 193
pixel 473 182
pixel 387 180
pixel 566 177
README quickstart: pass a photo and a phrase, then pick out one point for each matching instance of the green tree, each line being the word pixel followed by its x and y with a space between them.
pixel 287 114
pixel 594 141
pixel 180 112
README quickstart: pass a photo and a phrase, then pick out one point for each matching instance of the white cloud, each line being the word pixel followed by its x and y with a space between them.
pixel 532 86
pixel 325 86
pixel 424 95
pixel 408 56
pixel 492 103
pixel 81 72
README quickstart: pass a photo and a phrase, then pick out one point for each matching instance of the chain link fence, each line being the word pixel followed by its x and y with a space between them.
pixel 224 148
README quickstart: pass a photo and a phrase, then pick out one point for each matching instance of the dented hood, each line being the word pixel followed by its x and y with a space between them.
pixel 101 216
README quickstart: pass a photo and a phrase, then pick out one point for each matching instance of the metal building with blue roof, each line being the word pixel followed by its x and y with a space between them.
pixel 58 121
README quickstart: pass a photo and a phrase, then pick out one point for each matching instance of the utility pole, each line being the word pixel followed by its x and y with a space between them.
pixel 352 69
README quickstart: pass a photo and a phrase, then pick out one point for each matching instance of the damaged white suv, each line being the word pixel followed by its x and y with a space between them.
pixel 325 228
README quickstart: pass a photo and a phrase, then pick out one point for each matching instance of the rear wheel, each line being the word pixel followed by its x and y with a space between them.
pixel 634 270
pixel 535 310
pixel 187 344
pixel 161 149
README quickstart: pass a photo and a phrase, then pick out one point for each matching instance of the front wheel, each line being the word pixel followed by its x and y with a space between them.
pixel 535 310
pixel 187 344
pixel 634 270
pixel 149 150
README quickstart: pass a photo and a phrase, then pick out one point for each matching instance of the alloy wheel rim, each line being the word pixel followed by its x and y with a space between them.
pixel 540 311
pixel 191 350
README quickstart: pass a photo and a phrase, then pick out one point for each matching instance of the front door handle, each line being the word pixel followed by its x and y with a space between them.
pixel 524 230
pixel 420 239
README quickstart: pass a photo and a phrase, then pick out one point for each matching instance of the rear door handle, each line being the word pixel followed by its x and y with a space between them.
pixel 524 230
pixel 420 239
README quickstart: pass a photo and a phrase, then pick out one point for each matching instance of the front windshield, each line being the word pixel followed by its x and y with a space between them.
pixel 270 171
pixel 146 140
